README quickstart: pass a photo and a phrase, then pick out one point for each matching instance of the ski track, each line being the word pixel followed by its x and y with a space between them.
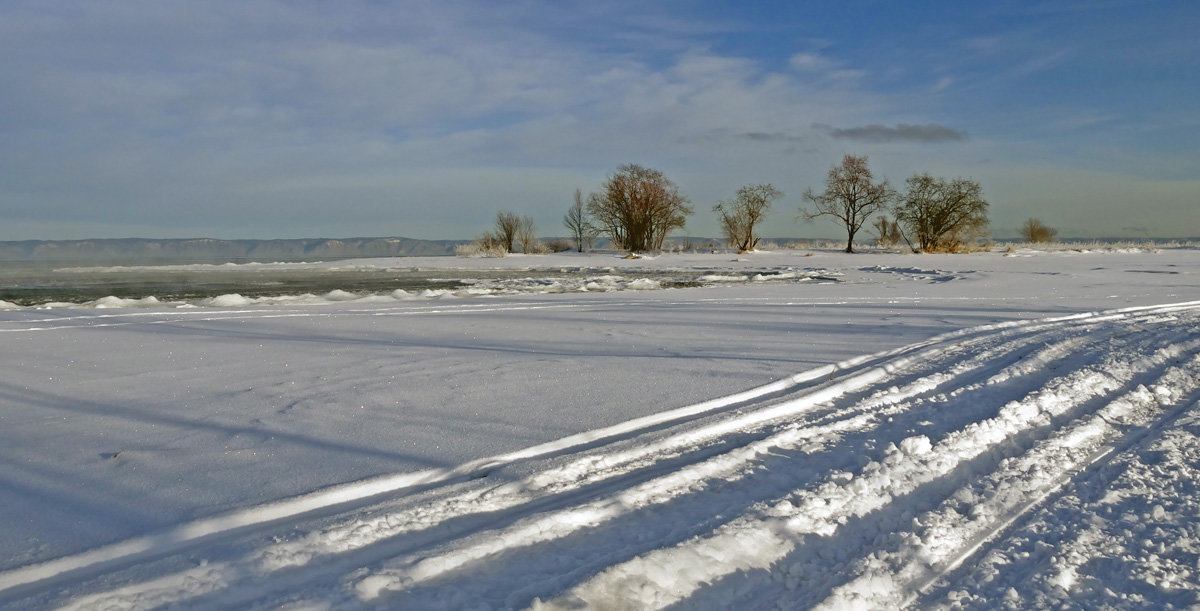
pixel 855 485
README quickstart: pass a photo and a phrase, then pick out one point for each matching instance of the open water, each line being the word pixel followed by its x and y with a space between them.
pixel 35 284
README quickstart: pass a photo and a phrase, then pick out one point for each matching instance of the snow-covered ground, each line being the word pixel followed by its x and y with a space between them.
pixel 868 431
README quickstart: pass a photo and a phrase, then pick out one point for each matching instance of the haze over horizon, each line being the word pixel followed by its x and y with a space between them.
pixel 265 119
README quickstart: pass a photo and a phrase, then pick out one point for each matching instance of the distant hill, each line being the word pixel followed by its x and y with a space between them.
pixel 207 249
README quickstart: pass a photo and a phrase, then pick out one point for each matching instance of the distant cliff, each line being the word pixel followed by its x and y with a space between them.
pixel 207 249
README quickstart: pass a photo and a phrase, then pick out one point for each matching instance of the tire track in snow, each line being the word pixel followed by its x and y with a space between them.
pixel 562 522
pixel 859 375
pixel 863 371
pixel 1136 411
pixel 545 490
pixel 813 528
pixel 715 479
pixel 1123 532
pixel 955 530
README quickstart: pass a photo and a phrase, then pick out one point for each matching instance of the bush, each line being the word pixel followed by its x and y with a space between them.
pixel 887 232
pixel 637 207
pixel 536 247
pixel 525 236
pixel 507 225
pixel 474 249
pixel 1035 231
pixel 559 245
pixel 943 215
pixel 739 215
pixel 486 245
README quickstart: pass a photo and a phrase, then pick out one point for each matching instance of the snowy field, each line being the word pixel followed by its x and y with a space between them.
pixel 806 430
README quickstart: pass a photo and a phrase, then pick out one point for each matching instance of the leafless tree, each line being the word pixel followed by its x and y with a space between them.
pixel 525 235
pixel 850 196
pixel 577 222
pixel 942 214
pixel 507 224
pixel 1033 230
pixel 740 214
pixel 637 207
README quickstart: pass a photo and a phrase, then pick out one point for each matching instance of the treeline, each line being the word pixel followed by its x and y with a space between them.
pixel 637 207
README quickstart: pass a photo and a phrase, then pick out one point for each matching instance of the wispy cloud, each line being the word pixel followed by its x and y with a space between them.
pixel 1042 62
pixel 900 133
pixel 811 62
pixel 771 137
pixel 984 44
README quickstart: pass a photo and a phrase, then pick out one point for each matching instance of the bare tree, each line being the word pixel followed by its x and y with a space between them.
pixel 507 224
pixel 850 196
pixel 525 235
pixel 577 222
pixel 637 207
pixel 1033 230
pixel 942 214
pixel 743 212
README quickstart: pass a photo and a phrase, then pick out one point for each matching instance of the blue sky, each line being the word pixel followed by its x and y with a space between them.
pixel 264 119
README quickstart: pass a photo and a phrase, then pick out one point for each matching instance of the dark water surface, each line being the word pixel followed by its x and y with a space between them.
pixel 33 284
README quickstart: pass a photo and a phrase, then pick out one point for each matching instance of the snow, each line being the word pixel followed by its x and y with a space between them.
pixel 807 430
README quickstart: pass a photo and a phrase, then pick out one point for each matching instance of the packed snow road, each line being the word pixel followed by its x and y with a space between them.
pixel 1009 464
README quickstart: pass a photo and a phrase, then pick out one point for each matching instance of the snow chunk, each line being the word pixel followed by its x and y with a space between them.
pixel 916 446
pixel 643 284
pixel 228 301
pixel 339 295
pixel 118 302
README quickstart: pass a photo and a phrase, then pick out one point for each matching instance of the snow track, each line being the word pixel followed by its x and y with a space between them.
pixel 866 484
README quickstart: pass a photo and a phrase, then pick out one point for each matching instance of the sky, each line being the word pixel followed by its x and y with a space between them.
pixel 268 119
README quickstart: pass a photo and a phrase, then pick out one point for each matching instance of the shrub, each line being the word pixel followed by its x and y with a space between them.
pixel 1035 231
pixel 507 225
pixel 525 236
pixel 537 247
pixel 887 232
pixel 559 245
pixel 739 215
pixel 637 207
pixel 486 245
pixel 943 215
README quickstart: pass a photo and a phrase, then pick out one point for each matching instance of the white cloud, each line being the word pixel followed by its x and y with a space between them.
pixel 255 114
pixel 811 62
